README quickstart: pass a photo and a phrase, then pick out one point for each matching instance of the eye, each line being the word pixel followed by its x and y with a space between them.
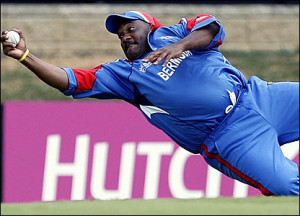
pixel 129 30
pixel 120 36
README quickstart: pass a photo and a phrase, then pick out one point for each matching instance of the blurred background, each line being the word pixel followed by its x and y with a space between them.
pixel 262 38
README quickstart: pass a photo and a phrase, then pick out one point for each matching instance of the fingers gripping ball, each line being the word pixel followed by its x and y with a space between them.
pixel 13 37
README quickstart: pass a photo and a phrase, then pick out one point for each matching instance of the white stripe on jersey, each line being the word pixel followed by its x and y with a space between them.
pixel 142 15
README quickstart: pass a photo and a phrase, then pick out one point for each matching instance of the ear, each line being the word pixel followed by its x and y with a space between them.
pixel 151 27
pixel 156 24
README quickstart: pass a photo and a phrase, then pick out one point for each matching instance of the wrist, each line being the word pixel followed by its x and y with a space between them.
pixel 24 55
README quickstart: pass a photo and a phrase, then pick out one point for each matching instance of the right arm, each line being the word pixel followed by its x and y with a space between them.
pixel 50 74
pixel 203 32
pixel 197 39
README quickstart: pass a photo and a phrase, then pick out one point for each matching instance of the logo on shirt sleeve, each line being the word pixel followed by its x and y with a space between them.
pixel 166 37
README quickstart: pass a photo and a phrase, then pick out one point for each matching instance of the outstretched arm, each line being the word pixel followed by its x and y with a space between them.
pixel 50 74
pixel 196 40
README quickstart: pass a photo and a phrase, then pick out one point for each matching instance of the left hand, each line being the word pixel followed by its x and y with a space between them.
pixel 9 49
pixel 172 51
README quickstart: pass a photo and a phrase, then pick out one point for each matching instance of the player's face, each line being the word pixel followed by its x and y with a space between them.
pixel 133 36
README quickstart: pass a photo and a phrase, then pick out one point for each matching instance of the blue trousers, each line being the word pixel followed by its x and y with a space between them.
pixel 246 145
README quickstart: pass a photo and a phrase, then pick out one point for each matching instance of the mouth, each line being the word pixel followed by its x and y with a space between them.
pixel 129 45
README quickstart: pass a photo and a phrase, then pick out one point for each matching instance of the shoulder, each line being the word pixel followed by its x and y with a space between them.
pixel 121 62
pixel 198 21
pixel 119 67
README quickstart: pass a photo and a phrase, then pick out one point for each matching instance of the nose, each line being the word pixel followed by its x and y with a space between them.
pixel 126 37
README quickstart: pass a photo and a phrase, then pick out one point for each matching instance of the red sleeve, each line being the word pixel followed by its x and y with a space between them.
pixel 85 78
pixel 194 21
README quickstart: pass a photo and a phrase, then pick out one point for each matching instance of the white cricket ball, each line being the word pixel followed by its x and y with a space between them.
pixel 13 37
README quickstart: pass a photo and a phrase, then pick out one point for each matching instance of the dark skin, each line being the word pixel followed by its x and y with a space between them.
pixel 49 73
pixel 133 36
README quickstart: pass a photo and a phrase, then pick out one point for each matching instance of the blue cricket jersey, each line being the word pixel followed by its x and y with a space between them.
pixel 187 98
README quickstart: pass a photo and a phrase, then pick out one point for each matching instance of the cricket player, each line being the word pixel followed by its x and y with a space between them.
pixel 186 87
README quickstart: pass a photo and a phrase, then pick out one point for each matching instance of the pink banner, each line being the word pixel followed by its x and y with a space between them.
pixel 101 150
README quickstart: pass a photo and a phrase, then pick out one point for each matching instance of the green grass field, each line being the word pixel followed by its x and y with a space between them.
pixel 205 206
